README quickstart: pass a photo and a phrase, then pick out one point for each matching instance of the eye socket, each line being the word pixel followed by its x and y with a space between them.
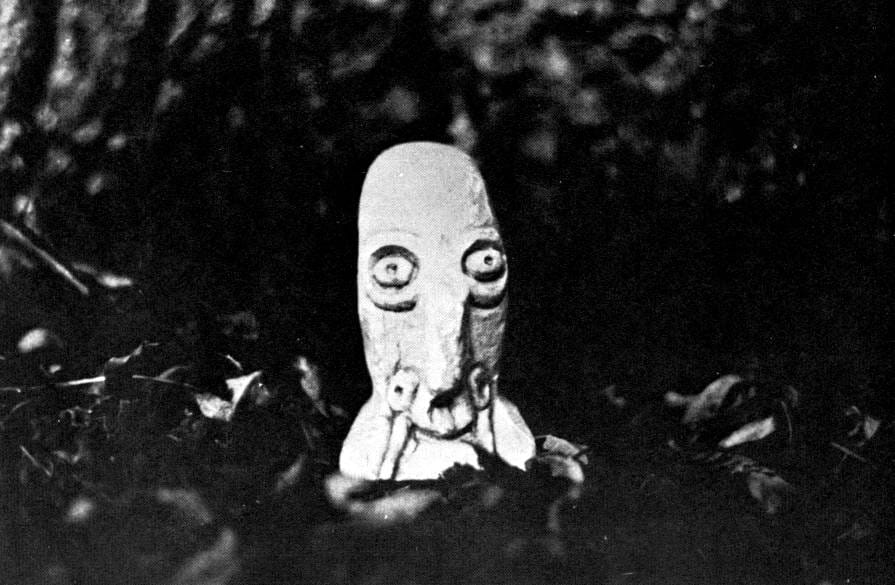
pixel 393 267
pixel 484 261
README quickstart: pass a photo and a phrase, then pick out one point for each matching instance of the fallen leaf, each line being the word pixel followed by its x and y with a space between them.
pixel 187 501
pixel 563 458
pixel 80 510
pixel 105 279
pixel 403 505
pixel 871 426
pixel 770 489
pixel 242 324
pixel 561 466
pixel 610 393
pixel 859 530
pixel 215 407
pixel 754 431
pixel 217 565
pixel 240 385
pixel 311 383
pixel 116 363
pixel 556 446
pixel 292 475
pixel 706 404
pixel 38 339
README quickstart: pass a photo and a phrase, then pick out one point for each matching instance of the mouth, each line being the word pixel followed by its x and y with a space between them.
pixel 451 412
pixel 446 399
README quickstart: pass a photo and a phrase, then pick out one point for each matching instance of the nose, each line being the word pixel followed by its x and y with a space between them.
pixel 444 336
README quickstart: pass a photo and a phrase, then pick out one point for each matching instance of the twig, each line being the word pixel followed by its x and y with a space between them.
pixel 11 412
pixel 34 461
pixel 310 441
pixel 16 408
pixel 81 382
pixel 848 452
pixel 164 381
pixel 788 420
pixel 14 234
pixel 97 380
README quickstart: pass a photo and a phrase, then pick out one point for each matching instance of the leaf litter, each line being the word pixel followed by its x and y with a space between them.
pixel 211 475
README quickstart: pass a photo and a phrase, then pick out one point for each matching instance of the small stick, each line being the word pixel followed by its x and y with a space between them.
pixel 849 452
pixel 35 462
pixel 14 234
pixel 81 382
pixel 99 380
pixel 788 420
pixel 162 381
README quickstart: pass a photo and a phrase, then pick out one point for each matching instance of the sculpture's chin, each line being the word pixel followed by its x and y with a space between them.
pixel 430 457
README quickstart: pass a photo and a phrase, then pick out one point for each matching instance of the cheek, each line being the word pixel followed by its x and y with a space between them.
pixel 486 328
pixel 378 349
pixel 387 337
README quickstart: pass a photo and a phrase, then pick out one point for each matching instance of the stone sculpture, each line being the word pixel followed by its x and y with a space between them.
pixel 431 279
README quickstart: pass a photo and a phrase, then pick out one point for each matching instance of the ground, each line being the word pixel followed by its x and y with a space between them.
pixel 140 473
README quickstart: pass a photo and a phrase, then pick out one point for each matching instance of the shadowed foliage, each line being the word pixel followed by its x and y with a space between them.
pixel 687 188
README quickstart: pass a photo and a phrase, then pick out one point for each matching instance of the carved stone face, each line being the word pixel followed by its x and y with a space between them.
pixel 432 280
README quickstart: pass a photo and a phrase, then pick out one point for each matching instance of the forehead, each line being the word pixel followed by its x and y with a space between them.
pixel 424 188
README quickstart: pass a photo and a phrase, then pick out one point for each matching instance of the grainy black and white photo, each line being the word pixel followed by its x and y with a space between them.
pixel 438 292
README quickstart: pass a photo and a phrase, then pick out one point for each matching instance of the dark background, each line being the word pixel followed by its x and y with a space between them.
pixel 687 188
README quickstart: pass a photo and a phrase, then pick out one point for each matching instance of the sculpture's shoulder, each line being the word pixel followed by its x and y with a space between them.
pixel 514 442
pixel 365 444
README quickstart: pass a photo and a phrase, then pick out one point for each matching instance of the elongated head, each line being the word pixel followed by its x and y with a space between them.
pixel 432 278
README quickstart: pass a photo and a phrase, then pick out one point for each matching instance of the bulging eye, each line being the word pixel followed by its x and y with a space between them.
pixel 392 271
pixel 486 265
pixel 485 262
pixel 393 267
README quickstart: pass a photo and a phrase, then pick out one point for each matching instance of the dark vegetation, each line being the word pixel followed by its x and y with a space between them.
pixel 688 189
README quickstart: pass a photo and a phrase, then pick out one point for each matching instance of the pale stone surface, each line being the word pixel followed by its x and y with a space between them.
pixel 432 278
